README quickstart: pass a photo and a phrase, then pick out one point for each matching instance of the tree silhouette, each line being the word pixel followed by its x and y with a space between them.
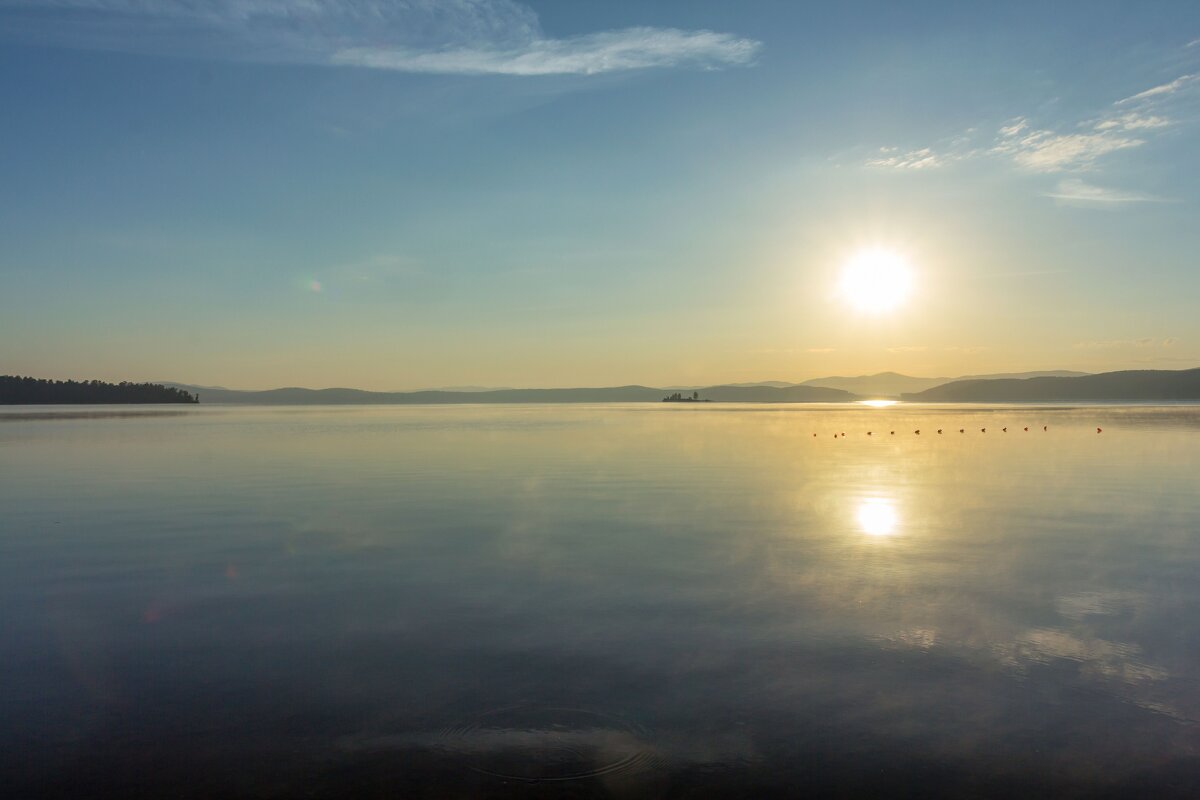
pixel 18 390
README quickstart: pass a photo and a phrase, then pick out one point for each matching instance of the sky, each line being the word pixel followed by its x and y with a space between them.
pixel 398 194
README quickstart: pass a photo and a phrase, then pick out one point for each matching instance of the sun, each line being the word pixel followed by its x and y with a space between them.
pixel 876 280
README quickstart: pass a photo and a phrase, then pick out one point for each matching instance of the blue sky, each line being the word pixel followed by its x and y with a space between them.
pixel 391 195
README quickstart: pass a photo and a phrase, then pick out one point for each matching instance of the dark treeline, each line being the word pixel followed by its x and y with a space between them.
pixel 16 390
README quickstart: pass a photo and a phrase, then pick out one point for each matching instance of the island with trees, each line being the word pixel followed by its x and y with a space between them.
pixel 18 390
pixel 683 398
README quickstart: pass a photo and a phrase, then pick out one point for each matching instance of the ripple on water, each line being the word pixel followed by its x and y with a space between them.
pixel 549 744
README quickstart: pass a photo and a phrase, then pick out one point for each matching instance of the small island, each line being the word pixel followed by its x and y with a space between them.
pixel 18 390
pixel 678 397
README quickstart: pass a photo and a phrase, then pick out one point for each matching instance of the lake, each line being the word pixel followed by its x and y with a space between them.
pixel 667 600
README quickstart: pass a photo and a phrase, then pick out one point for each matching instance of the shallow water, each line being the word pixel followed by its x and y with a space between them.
pixel 599 601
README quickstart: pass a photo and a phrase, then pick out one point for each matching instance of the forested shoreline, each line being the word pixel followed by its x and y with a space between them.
pixel 19 390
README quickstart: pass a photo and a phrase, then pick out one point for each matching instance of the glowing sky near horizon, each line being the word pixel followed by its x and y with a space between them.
pixel 535 194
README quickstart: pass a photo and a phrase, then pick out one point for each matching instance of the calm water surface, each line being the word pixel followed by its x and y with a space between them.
pixel 599 601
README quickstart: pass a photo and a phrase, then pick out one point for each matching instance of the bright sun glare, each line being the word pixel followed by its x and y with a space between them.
pixel 876 516
pixel 876 280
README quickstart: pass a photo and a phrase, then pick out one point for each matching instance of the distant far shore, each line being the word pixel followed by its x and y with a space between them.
pixel 1127 386
pixel 1140 386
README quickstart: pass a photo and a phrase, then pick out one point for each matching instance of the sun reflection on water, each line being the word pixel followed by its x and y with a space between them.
pixel 877 516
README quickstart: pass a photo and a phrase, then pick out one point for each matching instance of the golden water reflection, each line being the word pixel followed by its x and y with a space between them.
pixel 877 516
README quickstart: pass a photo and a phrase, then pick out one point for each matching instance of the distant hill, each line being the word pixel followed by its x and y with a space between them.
pixel 893 384
pixel 1033 387
pixel 1128 385
pixel 1049 373
pixel 609 394
pixel 341 396
pixel 887 384
pixel 696 387
pixel 463 388
pixel 776 394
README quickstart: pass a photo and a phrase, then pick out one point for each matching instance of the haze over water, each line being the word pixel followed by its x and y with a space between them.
pixel 599 601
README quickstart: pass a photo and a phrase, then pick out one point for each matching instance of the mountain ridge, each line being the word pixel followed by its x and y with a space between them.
pixel 894 384
pixel 633 393
pixel 1133 385
pixel 1145 385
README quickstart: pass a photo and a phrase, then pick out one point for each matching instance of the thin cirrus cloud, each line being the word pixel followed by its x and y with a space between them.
pixel 1161 90
pixel 895 158
pixel 1126 124
pixel 1143 342
pixel 1073 190
pixel 1040 150
pixel 466 37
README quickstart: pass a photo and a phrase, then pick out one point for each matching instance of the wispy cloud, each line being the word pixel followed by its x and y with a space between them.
pixel 1145 341
pixel 1127 123
pixel 611 51
pixel 473 37
pixel 1047 151
pixel 1161 90
pixel 1133 121
pixel 1068 147
pixel 912 348
pixel 923 158
pixel 1074 190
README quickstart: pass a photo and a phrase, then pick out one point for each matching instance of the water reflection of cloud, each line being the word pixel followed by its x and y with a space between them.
pixel 1102 658
pixel 915 638
pixel 1081 604
pixel 1119 668
pixel 597 751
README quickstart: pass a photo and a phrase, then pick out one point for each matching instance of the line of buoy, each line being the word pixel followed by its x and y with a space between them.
pixel 917 432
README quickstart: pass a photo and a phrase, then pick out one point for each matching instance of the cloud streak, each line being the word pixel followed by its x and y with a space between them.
pixel 610 51
pixel 1160 91
pixel 1076 191
pixel 1145 341
pixel 891 157
pixel 1047 151
pixel 461 37
pixel 1126 124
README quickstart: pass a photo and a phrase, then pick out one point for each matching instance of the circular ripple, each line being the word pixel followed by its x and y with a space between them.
pixel 549 744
